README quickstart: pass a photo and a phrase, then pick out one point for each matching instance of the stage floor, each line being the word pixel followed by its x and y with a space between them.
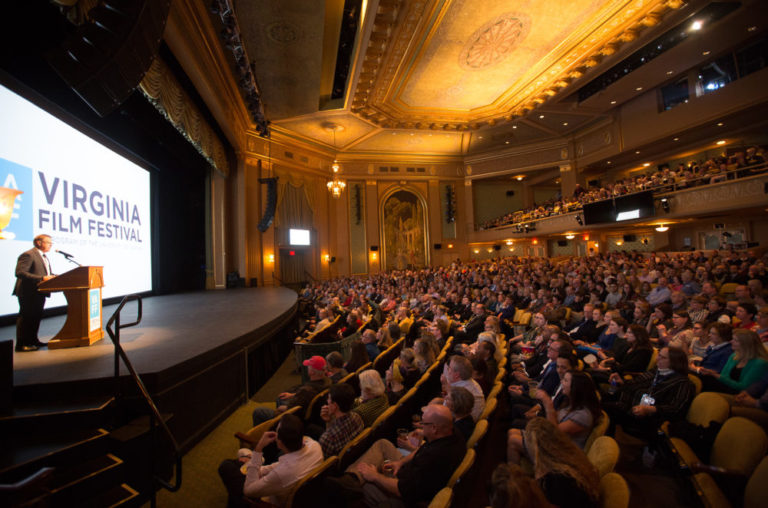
pixel 174 329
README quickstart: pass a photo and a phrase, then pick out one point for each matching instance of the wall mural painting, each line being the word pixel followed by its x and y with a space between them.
pixel 404 240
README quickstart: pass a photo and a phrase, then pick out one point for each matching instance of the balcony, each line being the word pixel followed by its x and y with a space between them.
pixel 738 189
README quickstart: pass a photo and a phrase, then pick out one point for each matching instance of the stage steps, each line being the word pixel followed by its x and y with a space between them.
pixel 91 465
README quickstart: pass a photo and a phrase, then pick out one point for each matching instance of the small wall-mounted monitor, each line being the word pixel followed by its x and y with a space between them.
pixel 298 237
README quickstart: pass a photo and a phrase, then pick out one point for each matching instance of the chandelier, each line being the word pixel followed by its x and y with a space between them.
pixel 335 185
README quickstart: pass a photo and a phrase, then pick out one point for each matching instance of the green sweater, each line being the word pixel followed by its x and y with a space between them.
pixel 752 372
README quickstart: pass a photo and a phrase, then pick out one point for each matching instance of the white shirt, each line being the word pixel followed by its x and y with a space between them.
pixel 276 479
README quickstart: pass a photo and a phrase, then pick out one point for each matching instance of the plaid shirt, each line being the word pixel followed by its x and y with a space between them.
pixel 339 432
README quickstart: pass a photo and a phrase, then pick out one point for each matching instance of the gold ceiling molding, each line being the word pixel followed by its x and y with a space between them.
pixel 399 52
pixel 165 93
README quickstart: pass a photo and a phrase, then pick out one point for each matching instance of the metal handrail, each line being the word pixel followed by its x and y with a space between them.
pixel 310 276
pixel 278 279
pixel 154 413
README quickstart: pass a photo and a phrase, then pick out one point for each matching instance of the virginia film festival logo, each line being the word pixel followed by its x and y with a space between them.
pixel 15 201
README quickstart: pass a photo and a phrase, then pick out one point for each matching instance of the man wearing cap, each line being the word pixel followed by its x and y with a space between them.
pixel 299 395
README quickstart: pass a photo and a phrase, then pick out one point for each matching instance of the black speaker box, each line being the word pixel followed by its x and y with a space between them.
pixel 438 246
pixel 630 238
pixel 562 243
pixel 374 248
pixel 108 56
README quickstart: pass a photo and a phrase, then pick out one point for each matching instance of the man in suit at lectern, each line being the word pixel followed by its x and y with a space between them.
pixel 32 268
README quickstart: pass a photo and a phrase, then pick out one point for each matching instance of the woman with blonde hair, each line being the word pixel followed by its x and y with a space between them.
pixel 747 364
pixel 384 338
pixel 562 470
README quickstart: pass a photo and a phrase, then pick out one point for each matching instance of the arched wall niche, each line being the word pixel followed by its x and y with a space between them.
pixel 403 228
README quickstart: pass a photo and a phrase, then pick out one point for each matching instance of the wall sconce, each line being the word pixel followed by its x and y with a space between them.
pixel 270 258
pixel 476 251
pixel 327 258
pixel 586 238
pixel 665 204
pixel 661 228
pixel 374 255
pixel 535 241
pixel 450 246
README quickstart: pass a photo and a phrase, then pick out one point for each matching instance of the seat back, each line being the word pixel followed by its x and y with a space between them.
pixel 354 449
pixel 654 357
pixel 466 463
pixel 599 430
pixel 696 382
pixel 481 427
pixel 604 454
pixel 614 491
pixel 490 406
pixel 756 493
pixel 739 446
pixel 442 499
pixel 254 435
pixel 305 490
pixel 313 408
pixel 707 407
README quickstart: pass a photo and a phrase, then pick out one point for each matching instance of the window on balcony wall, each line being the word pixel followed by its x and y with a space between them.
pixel 715 75
pixel 753 58
pixel 674 94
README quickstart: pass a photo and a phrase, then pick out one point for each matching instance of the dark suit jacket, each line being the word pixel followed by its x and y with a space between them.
pixel 30 270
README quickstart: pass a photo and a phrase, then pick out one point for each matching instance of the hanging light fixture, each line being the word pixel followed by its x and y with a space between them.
pixel 661 228
pixel 335 185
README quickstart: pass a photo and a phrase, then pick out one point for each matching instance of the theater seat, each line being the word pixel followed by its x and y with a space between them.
pixel 614 491
pixel 604 454
pixel 466 463
pixel 442 499
pixel 600 428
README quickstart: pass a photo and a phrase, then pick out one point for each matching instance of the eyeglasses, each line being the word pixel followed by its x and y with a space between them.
pixel 427 423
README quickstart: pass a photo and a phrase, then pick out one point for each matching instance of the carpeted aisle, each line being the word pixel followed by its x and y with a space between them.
pixel 200 484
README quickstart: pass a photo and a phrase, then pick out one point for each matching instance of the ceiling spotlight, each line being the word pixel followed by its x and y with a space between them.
pixel 579 220
pixel 664 204
pixel 676 139
pixel 637 152
pixel 613 102
pixel 509 242
pixel 751 29
pixel 696 25
pixel 646 164
pixel 705 53
pixel 520 178
pixel 719 124
pixel 506 142
pixel 721 142
pixel 609 162
pixel 669 73
pixel 565 124
pixel 638 88
pixel 661 228
pixel 541 117
pixel 514 126
pixel 479 137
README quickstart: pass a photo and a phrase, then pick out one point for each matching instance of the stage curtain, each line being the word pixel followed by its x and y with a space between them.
pixel 165 93
pixel 293 209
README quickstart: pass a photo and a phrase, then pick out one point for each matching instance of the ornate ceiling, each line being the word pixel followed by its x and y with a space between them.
pixel 444 77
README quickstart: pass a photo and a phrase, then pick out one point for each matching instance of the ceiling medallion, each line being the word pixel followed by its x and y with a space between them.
pixel 492 42
pixel 282 32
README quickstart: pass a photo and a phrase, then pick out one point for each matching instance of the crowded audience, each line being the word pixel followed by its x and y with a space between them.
pixel 630 337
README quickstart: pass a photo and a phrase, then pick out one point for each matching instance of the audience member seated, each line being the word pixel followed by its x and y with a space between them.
pixel 460 401
pixel 576 413
pixel 458 372
pixel 334 366
pixel 341 424
pixel 299 395
pixel 300 455
pixel 425 354
pixel 752 403
pixel 512 488
pixel 358 356
pixel 561 468
pixel 650 398
pixel 373 399
pixel 747 364
pixel 369 339
pixel 632 359
pixel 382 475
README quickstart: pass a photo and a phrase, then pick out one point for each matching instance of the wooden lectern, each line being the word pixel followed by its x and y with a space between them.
pixel 82 287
